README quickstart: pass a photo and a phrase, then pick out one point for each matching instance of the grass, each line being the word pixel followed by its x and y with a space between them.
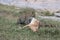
pixel 14 11
pixel 45 13
pixel 50 23
pixel 10 31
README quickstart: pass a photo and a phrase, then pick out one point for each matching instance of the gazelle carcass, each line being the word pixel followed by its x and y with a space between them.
pixel 33 25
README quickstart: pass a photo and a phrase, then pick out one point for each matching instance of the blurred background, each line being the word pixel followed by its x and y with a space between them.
pixel 13 11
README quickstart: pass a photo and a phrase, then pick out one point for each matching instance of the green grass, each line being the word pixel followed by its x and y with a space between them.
pixel 45 13
pixel 9 30
pixel 14 11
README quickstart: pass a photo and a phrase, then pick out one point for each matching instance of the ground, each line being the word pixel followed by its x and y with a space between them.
pixel 9 30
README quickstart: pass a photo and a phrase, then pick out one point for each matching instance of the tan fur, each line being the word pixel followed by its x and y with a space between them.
pixel 33 25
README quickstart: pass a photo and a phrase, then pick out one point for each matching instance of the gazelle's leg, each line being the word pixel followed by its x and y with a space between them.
pixel 23 27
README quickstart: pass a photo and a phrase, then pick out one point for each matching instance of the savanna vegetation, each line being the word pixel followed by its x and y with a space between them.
pixel 9 30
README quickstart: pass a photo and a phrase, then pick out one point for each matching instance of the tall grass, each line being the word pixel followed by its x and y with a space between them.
pixel 45 12
pixel 9 30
